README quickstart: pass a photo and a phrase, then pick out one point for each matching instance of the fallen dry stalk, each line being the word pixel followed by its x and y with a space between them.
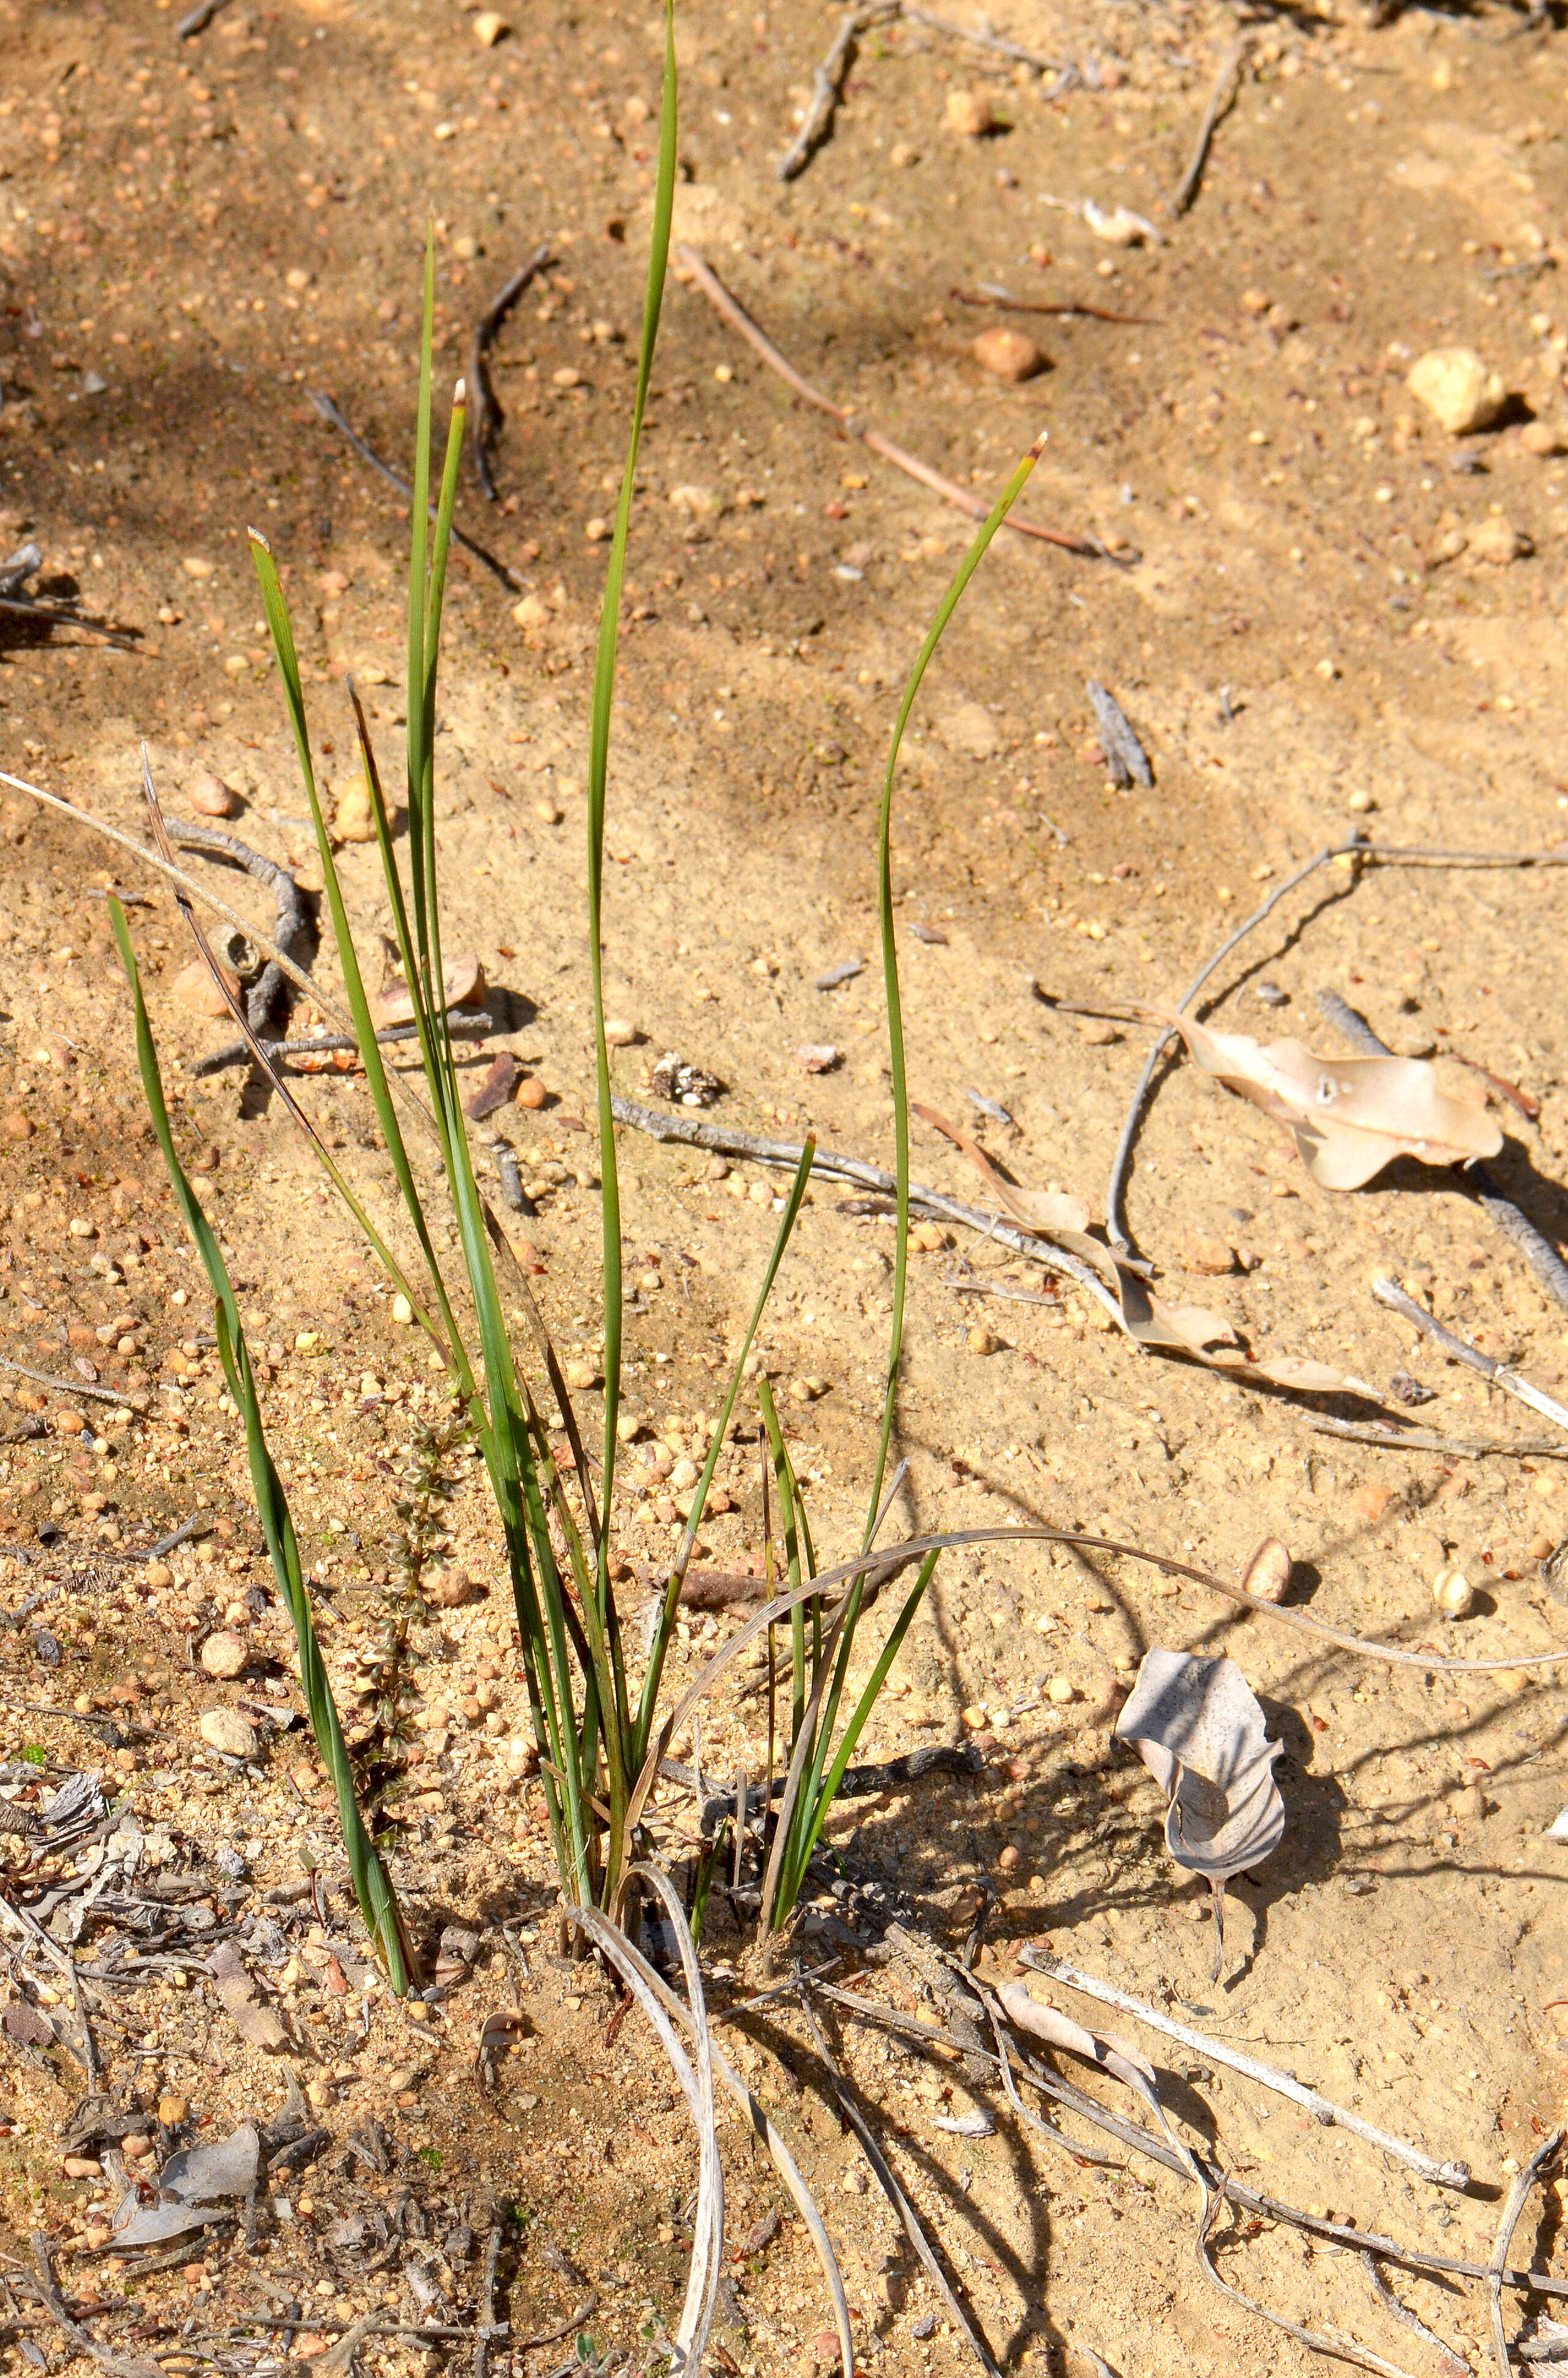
pixel 1222 99
pixel 690 266
pixel 1454 2174
pixel 1523 2183
pixel 1512 1383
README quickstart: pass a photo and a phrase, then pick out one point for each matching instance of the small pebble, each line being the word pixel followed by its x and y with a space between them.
pixel 1097 1032
pixel 1267 1574
pixel 580 1375
pixel 1452 1593
pixel 530 1092
pixel 1215 1258
pixel 158 1575
pixel 1458 388
pixel 402 1311
pixel 224 1655
pixel 448 1589
pixel 596 530
pixel 620 1034
pixel 489 29
pixel 354 817
pixel 1061 1691
pixel 1012 1858
pixel 980 1340
pixel 549 811
pixel 1007 353
pixel 1497 541
pixel 197 992
pixel 225 1730
pixel 1543 439
pixel 210 797
pixel 968 113
pixel 171 2110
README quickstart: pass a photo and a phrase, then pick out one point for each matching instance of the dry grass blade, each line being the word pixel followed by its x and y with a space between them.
pixel 1453 2367
pixel 708 2241
pixel 783 2161
pixel 1514 2206
pixel 887 2181
pixel 878 1566
pixel 1452 2174
pixel 707 2250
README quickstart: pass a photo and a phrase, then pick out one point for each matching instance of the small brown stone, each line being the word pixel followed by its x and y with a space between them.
pixel 1097 1032
pixel 171 2110
pixel 1497 541
pixel 1543 437
pixel 19 1126
pixel 70 1423
pixel 969 114
pixel 210 797
pixel 224 1653
pixel 1215 1257
pixel 530 1092
pixel 1012 1858
pixel 448 1589
pixel 195 990
pixel 1267 1574
pixel 354 814
pixel 158 1575
pixel 1007 353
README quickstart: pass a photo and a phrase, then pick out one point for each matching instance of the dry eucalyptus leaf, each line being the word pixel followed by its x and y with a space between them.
pixel 1200 1730
pixel 1349 1116
pixel 255 2022
pixel 1116 2056
pixel 1035 1209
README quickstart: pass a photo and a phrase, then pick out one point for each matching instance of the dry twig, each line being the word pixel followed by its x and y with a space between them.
pixel 1222 99
pixel 1523 2183
pixel 330 413
pixel 1454 2174
pixel 692 267
pixel 488 416
pixel 73 1386
pixel 1499 1375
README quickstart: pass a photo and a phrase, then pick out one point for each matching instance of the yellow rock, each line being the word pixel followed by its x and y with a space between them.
pixel 1456 388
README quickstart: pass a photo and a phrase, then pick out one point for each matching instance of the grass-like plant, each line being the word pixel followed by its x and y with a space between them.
pixel 600 1737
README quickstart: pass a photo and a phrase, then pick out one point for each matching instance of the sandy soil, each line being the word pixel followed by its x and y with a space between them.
pixel 1301 620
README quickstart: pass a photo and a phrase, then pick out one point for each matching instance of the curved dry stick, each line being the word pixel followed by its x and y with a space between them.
pixel 202 892
pixel 488 416
pixel 1452 2365
pixel 1523 2183
pixel 1455 2174
pixel 783 2161
pixel 293 917
pixel 877 1568
pixel 694 266
pixel 1222 99
pixel 827 87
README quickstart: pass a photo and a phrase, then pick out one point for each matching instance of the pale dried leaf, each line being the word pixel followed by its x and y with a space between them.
pixel 1349 1116
pixel 1119 2057
pixel 1200 1730
pixel 226 2168
pixel 1036 1209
